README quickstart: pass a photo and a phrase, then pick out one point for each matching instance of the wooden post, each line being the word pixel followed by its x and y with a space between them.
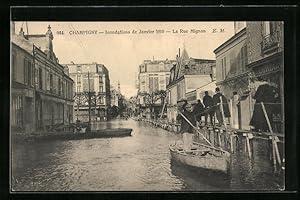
pixel 274 143
pixel 248 146
pixel 276 150
pixel 231 142
pixel 223 116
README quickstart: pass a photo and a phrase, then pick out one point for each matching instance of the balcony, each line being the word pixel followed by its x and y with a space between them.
pixel 271 42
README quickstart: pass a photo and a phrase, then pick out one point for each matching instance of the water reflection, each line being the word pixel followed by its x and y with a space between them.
pixel 199 178
pixel 141 162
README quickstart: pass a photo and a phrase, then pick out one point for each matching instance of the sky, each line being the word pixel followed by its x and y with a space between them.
pixel 123 53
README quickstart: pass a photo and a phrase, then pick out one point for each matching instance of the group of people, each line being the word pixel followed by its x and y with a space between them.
pixel 189 115
pixel 267 105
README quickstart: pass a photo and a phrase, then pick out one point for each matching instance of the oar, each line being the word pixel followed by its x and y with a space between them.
pixel 188 121
pixel 274 143
pixel 223 115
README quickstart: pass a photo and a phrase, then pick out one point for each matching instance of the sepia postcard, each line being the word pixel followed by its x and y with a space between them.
pixel 147 106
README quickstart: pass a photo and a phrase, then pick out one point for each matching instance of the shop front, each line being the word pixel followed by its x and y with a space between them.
pixel 270 69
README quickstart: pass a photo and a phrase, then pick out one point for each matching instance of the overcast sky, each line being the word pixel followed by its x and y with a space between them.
pixel 122 53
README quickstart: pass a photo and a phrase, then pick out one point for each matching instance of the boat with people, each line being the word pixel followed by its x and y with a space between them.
pixel 201 156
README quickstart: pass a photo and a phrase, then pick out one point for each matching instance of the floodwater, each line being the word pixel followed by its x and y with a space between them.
pixel 137 163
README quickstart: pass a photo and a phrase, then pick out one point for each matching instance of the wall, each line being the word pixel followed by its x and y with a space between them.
pixel 255 36
pixel 229 58
pixel 193 82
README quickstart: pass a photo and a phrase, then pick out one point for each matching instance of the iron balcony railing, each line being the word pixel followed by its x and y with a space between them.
pixel 271 41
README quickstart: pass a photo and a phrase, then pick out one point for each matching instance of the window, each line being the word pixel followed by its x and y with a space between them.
pixel 78 79
pixel 245 56
pixel 78 69
pixel 28 73
pixel 153 83
pixel 36 77
pixel 14 67
pixel 17 111
pixel 51 82
pixel 161 67
pixel 59 86
pixel 167 80
pixel 101 89
pixel 40 79
pixel 224 68
pixel 269 28
pixel 100 79
pixel 101 100
pixel 63 88
pixel 48 80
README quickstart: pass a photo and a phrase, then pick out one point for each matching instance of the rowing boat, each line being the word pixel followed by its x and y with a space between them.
pixel 102 133
pixel 201 156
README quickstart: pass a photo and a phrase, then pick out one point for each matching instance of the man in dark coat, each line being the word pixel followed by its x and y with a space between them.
pixel 185 128
pixel 216 102
pixel 266 94
pixel 208 103
pixel 198 110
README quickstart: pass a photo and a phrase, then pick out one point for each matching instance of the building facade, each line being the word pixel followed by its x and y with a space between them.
pixel 233 77
pixel 186 75
pixel 41 93
pixel 91 81
pixel 265 42
pixel 153 78
pixel 253 54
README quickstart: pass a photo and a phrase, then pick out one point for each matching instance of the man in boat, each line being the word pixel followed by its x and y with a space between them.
pixel 198 110
pixel 208 103
pixel 217 103
pixel 185 128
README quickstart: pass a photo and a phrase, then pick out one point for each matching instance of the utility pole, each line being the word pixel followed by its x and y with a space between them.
pixel 77 95
pixel 89 95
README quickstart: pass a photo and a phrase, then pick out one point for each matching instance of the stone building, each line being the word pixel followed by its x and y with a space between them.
pixel 254 52
pixel 232 76
pixel 90 80
pixel 265 42
pixel 41 93
pixel 186 75
pixel 153 78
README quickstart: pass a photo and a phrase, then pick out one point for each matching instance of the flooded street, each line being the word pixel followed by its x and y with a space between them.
pixel 137 163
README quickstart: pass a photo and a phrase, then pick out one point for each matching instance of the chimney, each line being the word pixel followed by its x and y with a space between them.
pixel 179 53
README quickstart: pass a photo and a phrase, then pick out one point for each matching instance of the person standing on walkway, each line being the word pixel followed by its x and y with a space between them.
pixel 208 103
pixel 267 94
pixel 185 128
pixel 198 110
pixel 217 103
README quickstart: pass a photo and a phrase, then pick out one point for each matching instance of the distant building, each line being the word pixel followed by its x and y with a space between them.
pixel 187 75
pixel 153 76
pixel 41 93
pixel 115 95
pixel 93 79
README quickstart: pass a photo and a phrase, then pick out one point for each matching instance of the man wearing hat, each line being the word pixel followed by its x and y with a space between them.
pixel 216 102
pixel 185 128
